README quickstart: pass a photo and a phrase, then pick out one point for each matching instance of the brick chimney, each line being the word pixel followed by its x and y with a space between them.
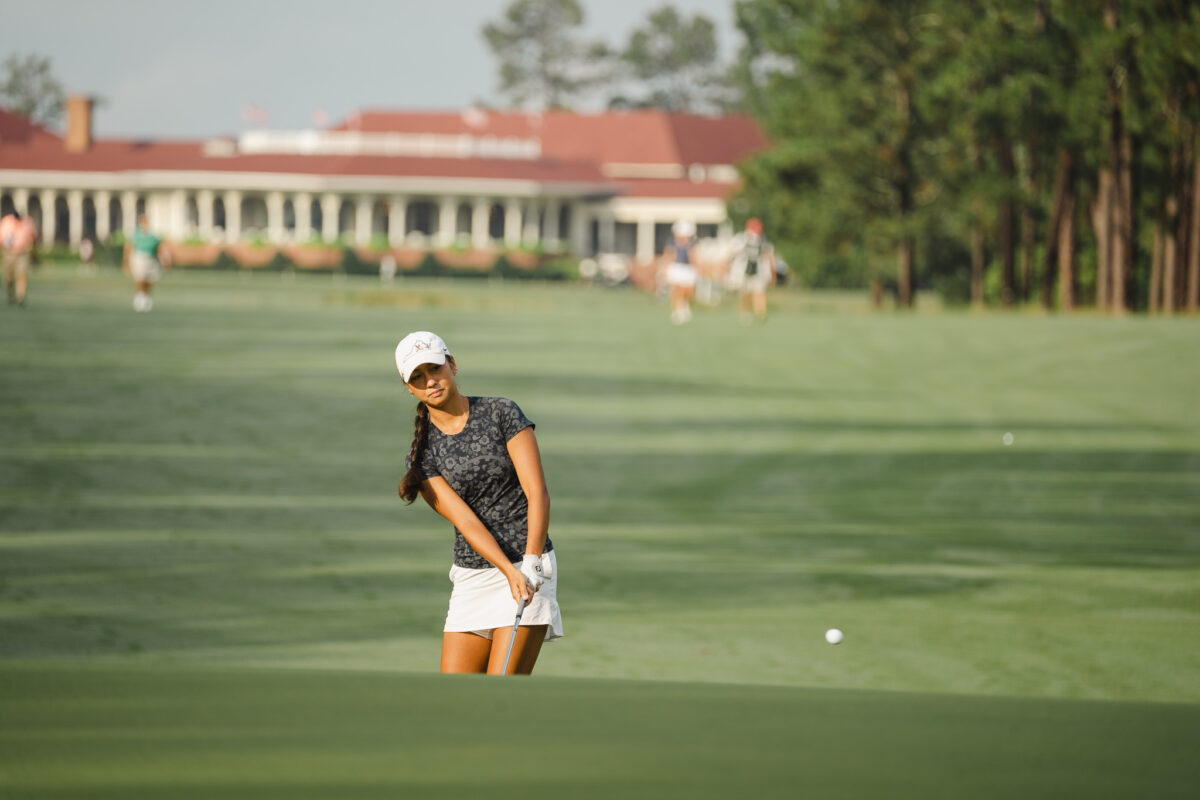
pixel 79 123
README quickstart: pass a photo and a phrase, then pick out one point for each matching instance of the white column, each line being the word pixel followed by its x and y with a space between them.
pixel 512 223
pixel 302 208
pixel 177 229
pixel 532 214
pixel 363 209
pixel 204 214
pixel 447 220
pixel 49 217
pixel 479 224
pixel 331 204
pixel 608 233
pixel 725 231
pixel 275 228
pixel 579 229
pixel 645 240
pixel 397 219
pixel 21 201
pixel 550 235
pixel 154 214
pixel 233 215
pixel 128 212
pixel 101 200
pixel 74 217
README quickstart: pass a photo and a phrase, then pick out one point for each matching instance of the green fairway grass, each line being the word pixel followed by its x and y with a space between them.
pixel 203 558
pixel 214 483
pixel 235 733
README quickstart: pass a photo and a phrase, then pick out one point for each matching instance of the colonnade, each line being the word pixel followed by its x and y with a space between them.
pixel 276 217
pixel 579 226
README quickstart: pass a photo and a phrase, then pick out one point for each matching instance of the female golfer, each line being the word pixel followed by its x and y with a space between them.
pixel 476 462
pixel 681 270
pixel 144 256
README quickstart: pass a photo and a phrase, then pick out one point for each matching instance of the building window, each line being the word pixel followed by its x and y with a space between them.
pixel 626 238
pixel 662 236
pixel 254 215
pixel 421 217
pixel 564 224
pixel 317 217
pixel 345 220
pixel 496 221
pixel 116 219
pixel 192 211
pixel 89 218
pixel 62 220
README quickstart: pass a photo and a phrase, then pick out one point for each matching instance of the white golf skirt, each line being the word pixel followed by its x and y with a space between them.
pixel 144 267
pixel 481 602
pixel 681 275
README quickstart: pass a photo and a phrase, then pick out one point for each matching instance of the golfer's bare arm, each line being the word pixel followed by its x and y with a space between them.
pixel 527 460
pixel 445 501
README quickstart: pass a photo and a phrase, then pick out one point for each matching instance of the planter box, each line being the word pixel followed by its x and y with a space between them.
pixel 251 257
pixel 522 259
pixel 467 259
pixel 368 255
pixel 313 257
pixel 193 255
pixel 408 257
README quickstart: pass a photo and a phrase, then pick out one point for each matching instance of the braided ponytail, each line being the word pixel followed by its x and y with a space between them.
pixel 411 482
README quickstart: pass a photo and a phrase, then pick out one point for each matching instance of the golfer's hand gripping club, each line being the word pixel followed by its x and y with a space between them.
pixel 536 569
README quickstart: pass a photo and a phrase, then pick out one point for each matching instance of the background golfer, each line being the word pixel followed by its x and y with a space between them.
pixel 476 462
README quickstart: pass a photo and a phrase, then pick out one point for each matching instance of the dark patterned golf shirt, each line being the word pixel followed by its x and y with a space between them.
pixel 476 464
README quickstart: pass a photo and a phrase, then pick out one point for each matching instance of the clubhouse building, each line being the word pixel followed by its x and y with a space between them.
pixel 475 180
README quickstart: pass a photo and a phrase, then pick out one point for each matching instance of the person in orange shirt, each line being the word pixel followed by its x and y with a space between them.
pixel 19 239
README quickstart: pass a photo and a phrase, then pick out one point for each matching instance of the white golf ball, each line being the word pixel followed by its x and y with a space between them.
pixel 1008 439
pixel 833 636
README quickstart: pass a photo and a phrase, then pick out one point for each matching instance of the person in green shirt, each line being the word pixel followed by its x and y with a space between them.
pixel 143 254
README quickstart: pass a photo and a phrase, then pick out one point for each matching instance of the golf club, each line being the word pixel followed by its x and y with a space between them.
pixel 512 638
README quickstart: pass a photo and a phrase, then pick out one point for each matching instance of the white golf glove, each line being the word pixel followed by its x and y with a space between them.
pixel 536 569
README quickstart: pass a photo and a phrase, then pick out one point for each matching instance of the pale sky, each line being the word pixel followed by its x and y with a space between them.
pixel 167 68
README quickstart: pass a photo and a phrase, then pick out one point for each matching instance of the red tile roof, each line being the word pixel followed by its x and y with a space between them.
pixel 16 129
pixel 615 137
pixel 574 148
pixel 113 155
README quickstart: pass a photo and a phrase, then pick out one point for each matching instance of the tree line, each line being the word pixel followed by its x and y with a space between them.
pixel 998 151
pixel 1005 151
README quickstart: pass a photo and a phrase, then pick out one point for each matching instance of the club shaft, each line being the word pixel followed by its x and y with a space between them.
pixel 513 636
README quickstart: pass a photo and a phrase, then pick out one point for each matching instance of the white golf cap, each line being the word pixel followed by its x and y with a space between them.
pixel 684 227
pixel 419 347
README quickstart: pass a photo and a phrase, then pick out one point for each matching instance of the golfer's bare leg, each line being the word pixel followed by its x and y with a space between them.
pixel 525 649
pixel 465 652
pixel 760 303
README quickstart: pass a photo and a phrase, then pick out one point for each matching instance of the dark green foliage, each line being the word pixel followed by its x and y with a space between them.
pixel 673 62
pixel 542 59
pixel 281 263
pixel 109 254
pixel 351 264
pixel 945 122
pixel 429 267
pixel 223 262
pixel 29 88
